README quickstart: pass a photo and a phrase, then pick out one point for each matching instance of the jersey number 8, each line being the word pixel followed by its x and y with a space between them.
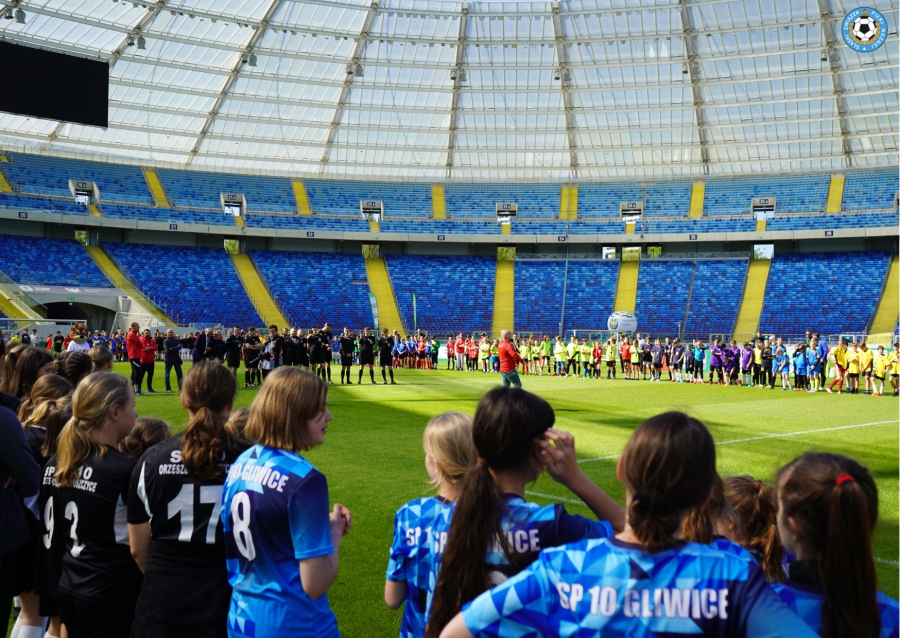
pixel 240 513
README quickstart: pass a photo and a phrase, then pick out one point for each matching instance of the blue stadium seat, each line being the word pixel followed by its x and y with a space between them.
pixel 49 262
pixel 831 222
pixel 49 176
pixel 479 201
pixel 794 194
pixel 668 199
pixel 662 295
pixel 590 294
pixel 441 227
pixel 46 204
pixel 178 215
pixel 604 200
pixel 312 288
pixel 453 294
pixel 337 197
pixel 195 189
pixel 702 225
pixel 870 190
pixel 538 295
pixel 715 297
pixel 193 285
pixel 830 293
pixel 307 222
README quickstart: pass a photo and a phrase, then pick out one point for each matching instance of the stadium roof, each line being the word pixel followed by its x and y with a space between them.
pixel 431 90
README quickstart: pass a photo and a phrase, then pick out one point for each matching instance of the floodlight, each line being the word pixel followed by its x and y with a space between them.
pixel 20 16
pixel 141 42
pixel 684 68
pixel 251 60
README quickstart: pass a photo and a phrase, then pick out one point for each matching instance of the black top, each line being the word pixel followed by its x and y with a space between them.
pixel 233 345
pixel 58 341
pixel 272 350
pixel 367 344
pixel 16 462
pixel 252 341
pixel 316 342
pixel 172 350
pixel 36 437
pixel 386 345
pixel 52 545
pixel 92 513
pixel 327 337
pixel 291 347
pixel 347 345
pixel 180 507
pixel 216 348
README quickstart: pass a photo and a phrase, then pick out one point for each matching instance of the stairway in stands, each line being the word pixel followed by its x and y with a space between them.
pixel 156 188
pixel 504 296
pixel 752 302
pixel 302 198
pixel 889 307
pixel 118 280
pixel 626 289
pixel 835 193
pixel 257 291
pixel 380 286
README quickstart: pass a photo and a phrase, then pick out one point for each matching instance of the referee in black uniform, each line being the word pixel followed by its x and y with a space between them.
pixel 367 355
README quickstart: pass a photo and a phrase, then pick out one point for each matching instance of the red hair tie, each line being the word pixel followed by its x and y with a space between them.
pixel 843 478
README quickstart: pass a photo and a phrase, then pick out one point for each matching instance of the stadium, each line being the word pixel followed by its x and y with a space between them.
pixel 576 179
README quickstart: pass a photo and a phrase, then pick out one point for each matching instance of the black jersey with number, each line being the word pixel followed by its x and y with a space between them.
pixel 302 351
pixel 316 342
pixel 327 338
pixel 233 345
pixel 91 515
pixel 386 346
pixel 367 344
pixel 347 345
pixel 52 545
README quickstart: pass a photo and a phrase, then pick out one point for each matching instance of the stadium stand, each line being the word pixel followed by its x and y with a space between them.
pixel 478 201
pixel 49 176
pixel 334 197
pixel 49 262
pixel 194 189
pixel 604 200
pixel 590 293
pixel 538 295
pixel 312 288
pixel 662 295
pixel 443 226
pixel 452 293
pixel 48 204
pixel 146 213
pixel 668 199
pixel 870 190
pixel 828 292
pixel 796 194
pixel 701 225
pixel 814 222
pixel 306 222
pixel 192 285
pixel 715 297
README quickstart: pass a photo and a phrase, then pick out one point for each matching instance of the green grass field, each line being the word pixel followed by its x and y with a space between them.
pixel 374 461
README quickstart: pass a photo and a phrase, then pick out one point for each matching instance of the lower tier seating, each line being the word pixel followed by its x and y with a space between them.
pixel 41 261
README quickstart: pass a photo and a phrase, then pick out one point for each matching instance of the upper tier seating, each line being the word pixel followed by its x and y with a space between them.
pixel 439 226
pixel 830 293
pixel 590 294
pixel 41 261
pixel 715 297
pixel 49 176
pixel 870 190
pixel 668 199
pixel 605 200
pixel 194 189
pixel 479 201
pixel 793 194
pixel 180 216
pixel 336 197
pixel 702 225
pixel 538 295
pixel 192 285
pixel 662 295
pixel 312 288
pixel 830 222
pixel 46 204
pixel 307 222
pixel 452 293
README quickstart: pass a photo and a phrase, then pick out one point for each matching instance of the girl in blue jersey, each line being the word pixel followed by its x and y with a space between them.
pixel 449 453
pixel 828 507
pixel 491 533
pixel 646 581
pixel 281 541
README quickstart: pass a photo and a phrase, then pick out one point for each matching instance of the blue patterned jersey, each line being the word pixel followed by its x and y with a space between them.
pixel 274 514
pixel 529 528
pixel 610 588
pixel 730 547
pixel 806 601
pixel 410 559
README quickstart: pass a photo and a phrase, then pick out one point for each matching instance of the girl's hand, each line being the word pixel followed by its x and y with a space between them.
pixel 558 455
pixel 340 519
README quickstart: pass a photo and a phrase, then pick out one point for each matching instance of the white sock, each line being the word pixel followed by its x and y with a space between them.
pixel 27 631
pixel 49 635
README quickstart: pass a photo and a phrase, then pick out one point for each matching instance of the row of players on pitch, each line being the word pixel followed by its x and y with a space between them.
pixel 232 532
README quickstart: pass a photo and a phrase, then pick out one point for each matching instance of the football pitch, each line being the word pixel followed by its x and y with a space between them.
pixel 374 461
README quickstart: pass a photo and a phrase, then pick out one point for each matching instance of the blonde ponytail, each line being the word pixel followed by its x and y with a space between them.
pixel 91 403
pixel 448 440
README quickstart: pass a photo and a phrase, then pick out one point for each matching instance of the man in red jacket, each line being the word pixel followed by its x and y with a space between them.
pixel 509 358
pixel 134 348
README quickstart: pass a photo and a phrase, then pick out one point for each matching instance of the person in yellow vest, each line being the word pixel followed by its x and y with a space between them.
pixel 559 354
pixel 635 354
pixel 853 368
pixel 609 353
pixel 759 378
pixel 839 357
pixel 880 366
pixel 895 369
pixel 572 356
pixel 584 352
pixel 865 365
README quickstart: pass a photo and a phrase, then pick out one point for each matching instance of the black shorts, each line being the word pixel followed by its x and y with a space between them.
pixel 366 358
pixel 853 375
pixel 233 360
pixel 346 360
pixel 610 364
pixel 17 568
pixel 867 373
pixel 879 378
pixel 646 358
pixel 318 356
pixel 251 362
pixel 387 360
pixel 86 618
pixel 421 355
pixel 48 605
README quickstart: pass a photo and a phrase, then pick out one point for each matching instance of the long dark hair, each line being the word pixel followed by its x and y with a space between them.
pixel 31 359
pixel 834 502
pixel 73 366
pixel 508 424
pixel 207 390
pixel 669 465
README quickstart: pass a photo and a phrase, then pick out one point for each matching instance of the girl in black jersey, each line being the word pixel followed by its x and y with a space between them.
pixel 173 515
pixel 100 581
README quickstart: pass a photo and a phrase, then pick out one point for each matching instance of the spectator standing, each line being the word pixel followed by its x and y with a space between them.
pixel 509 358
pixel 172 358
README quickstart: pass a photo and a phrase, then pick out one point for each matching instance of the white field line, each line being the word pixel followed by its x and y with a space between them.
pixel 764 436
pixel 885 561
